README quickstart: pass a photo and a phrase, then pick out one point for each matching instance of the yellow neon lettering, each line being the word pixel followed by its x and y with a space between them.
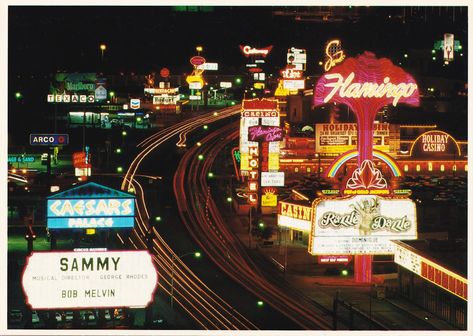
pixel 126 207
pixel 67 207
pixel 90 210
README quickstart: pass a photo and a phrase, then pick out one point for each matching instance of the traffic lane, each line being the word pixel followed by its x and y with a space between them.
pixel 271 292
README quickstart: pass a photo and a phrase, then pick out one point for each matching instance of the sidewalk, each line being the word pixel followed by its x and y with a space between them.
pixel 302 271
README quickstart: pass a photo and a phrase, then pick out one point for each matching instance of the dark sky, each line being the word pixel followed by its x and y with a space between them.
pixel 141 39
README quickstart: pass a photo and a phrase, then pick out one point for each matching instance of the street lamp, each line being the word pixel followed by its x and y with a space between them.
pixel 199 49
pixel 196 254
pixel 103 47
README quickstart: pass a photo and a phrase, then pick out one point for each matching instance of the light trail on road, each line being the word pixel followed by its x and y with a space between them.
pixel 204 222
pixel 203 305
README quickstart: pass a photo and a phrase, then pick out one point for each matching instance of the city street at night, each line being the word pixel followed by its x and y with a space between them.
pixel 266 168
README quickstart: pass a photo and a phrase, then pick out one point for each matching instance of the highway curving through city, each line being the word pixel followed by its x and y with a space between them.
pixel 202 304
pixel 203 219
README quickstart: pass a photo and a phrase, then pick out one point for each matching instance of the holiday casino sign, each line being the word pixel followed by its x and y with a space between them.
pixel 361 225
pixel 89 279
pixel 435 145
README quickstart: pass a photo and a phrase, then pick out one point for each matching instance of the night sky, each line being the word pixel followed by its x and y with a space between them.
pixel 43 40
pixel 143 39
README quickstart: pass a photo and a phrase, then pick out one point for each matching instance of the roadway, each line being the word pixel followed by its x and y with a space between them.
pixel 206 308
pixel 205 223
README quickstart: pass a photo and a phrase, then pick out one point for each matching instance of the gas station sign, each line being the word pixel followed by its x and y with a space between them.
pixel 49 139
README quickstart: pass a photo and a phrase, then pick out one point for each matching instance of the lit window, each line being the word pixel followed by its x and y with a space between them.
pixel 296 170
pixel 406 168
pixel 418 168
pixel 308 169
pixel 442 168
pixel 430 166
pixel 466 167
pixel 454 168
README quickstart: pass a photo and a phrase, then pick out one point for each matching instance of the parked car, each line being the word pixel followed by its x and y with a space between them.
pixel 15 316
pixel 34 317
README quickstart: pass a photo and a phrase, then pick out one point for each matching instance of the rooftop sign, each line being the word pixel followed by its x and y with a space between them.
pixel 249 51
pixel 90 206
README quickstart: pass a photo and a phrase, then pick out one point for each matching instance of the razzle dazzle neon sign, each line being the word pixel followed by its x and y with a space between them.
pixel 366 84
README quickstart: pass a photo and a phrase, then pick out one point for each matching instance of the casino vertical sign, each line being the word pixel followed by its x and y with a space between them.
pixel 60 280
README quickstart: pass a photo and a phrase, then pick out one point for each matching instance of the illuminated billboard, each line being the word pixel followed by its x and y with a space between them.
pixel 90 213
pixel 252 112
pixel 448 46
pixel 342 137
pixel 430 270
pixel 90 206
pixel 361 225
pixel 273 179
pixel 250 51
pixel 265 133
pixel 435 145
pixel 297 58
pixel 165 99
pixel 294 216
pixel 334 54
pixel 293 84
pixel 89 279
pixel 366 84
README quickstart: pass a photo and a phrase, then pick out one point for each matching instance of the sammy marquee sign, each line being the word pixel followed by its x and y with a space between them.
pixel 361 225
pixel 92 279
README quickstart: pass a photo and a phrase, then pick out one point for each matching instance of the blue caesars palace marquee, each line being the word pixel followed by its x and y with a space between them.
pixel 91 206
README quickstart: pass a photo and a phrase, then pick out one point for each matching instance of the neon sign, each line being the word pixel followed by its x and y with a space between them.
pixel 334 53
pixel 362 224
pixel 347 89
pixel 264 133
pixel 435 144
pixel 430 270
pixel 295 211
pixel 249 51
pixel 289 73
pixel 90 213
pixel 197 60
pixel 366 84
